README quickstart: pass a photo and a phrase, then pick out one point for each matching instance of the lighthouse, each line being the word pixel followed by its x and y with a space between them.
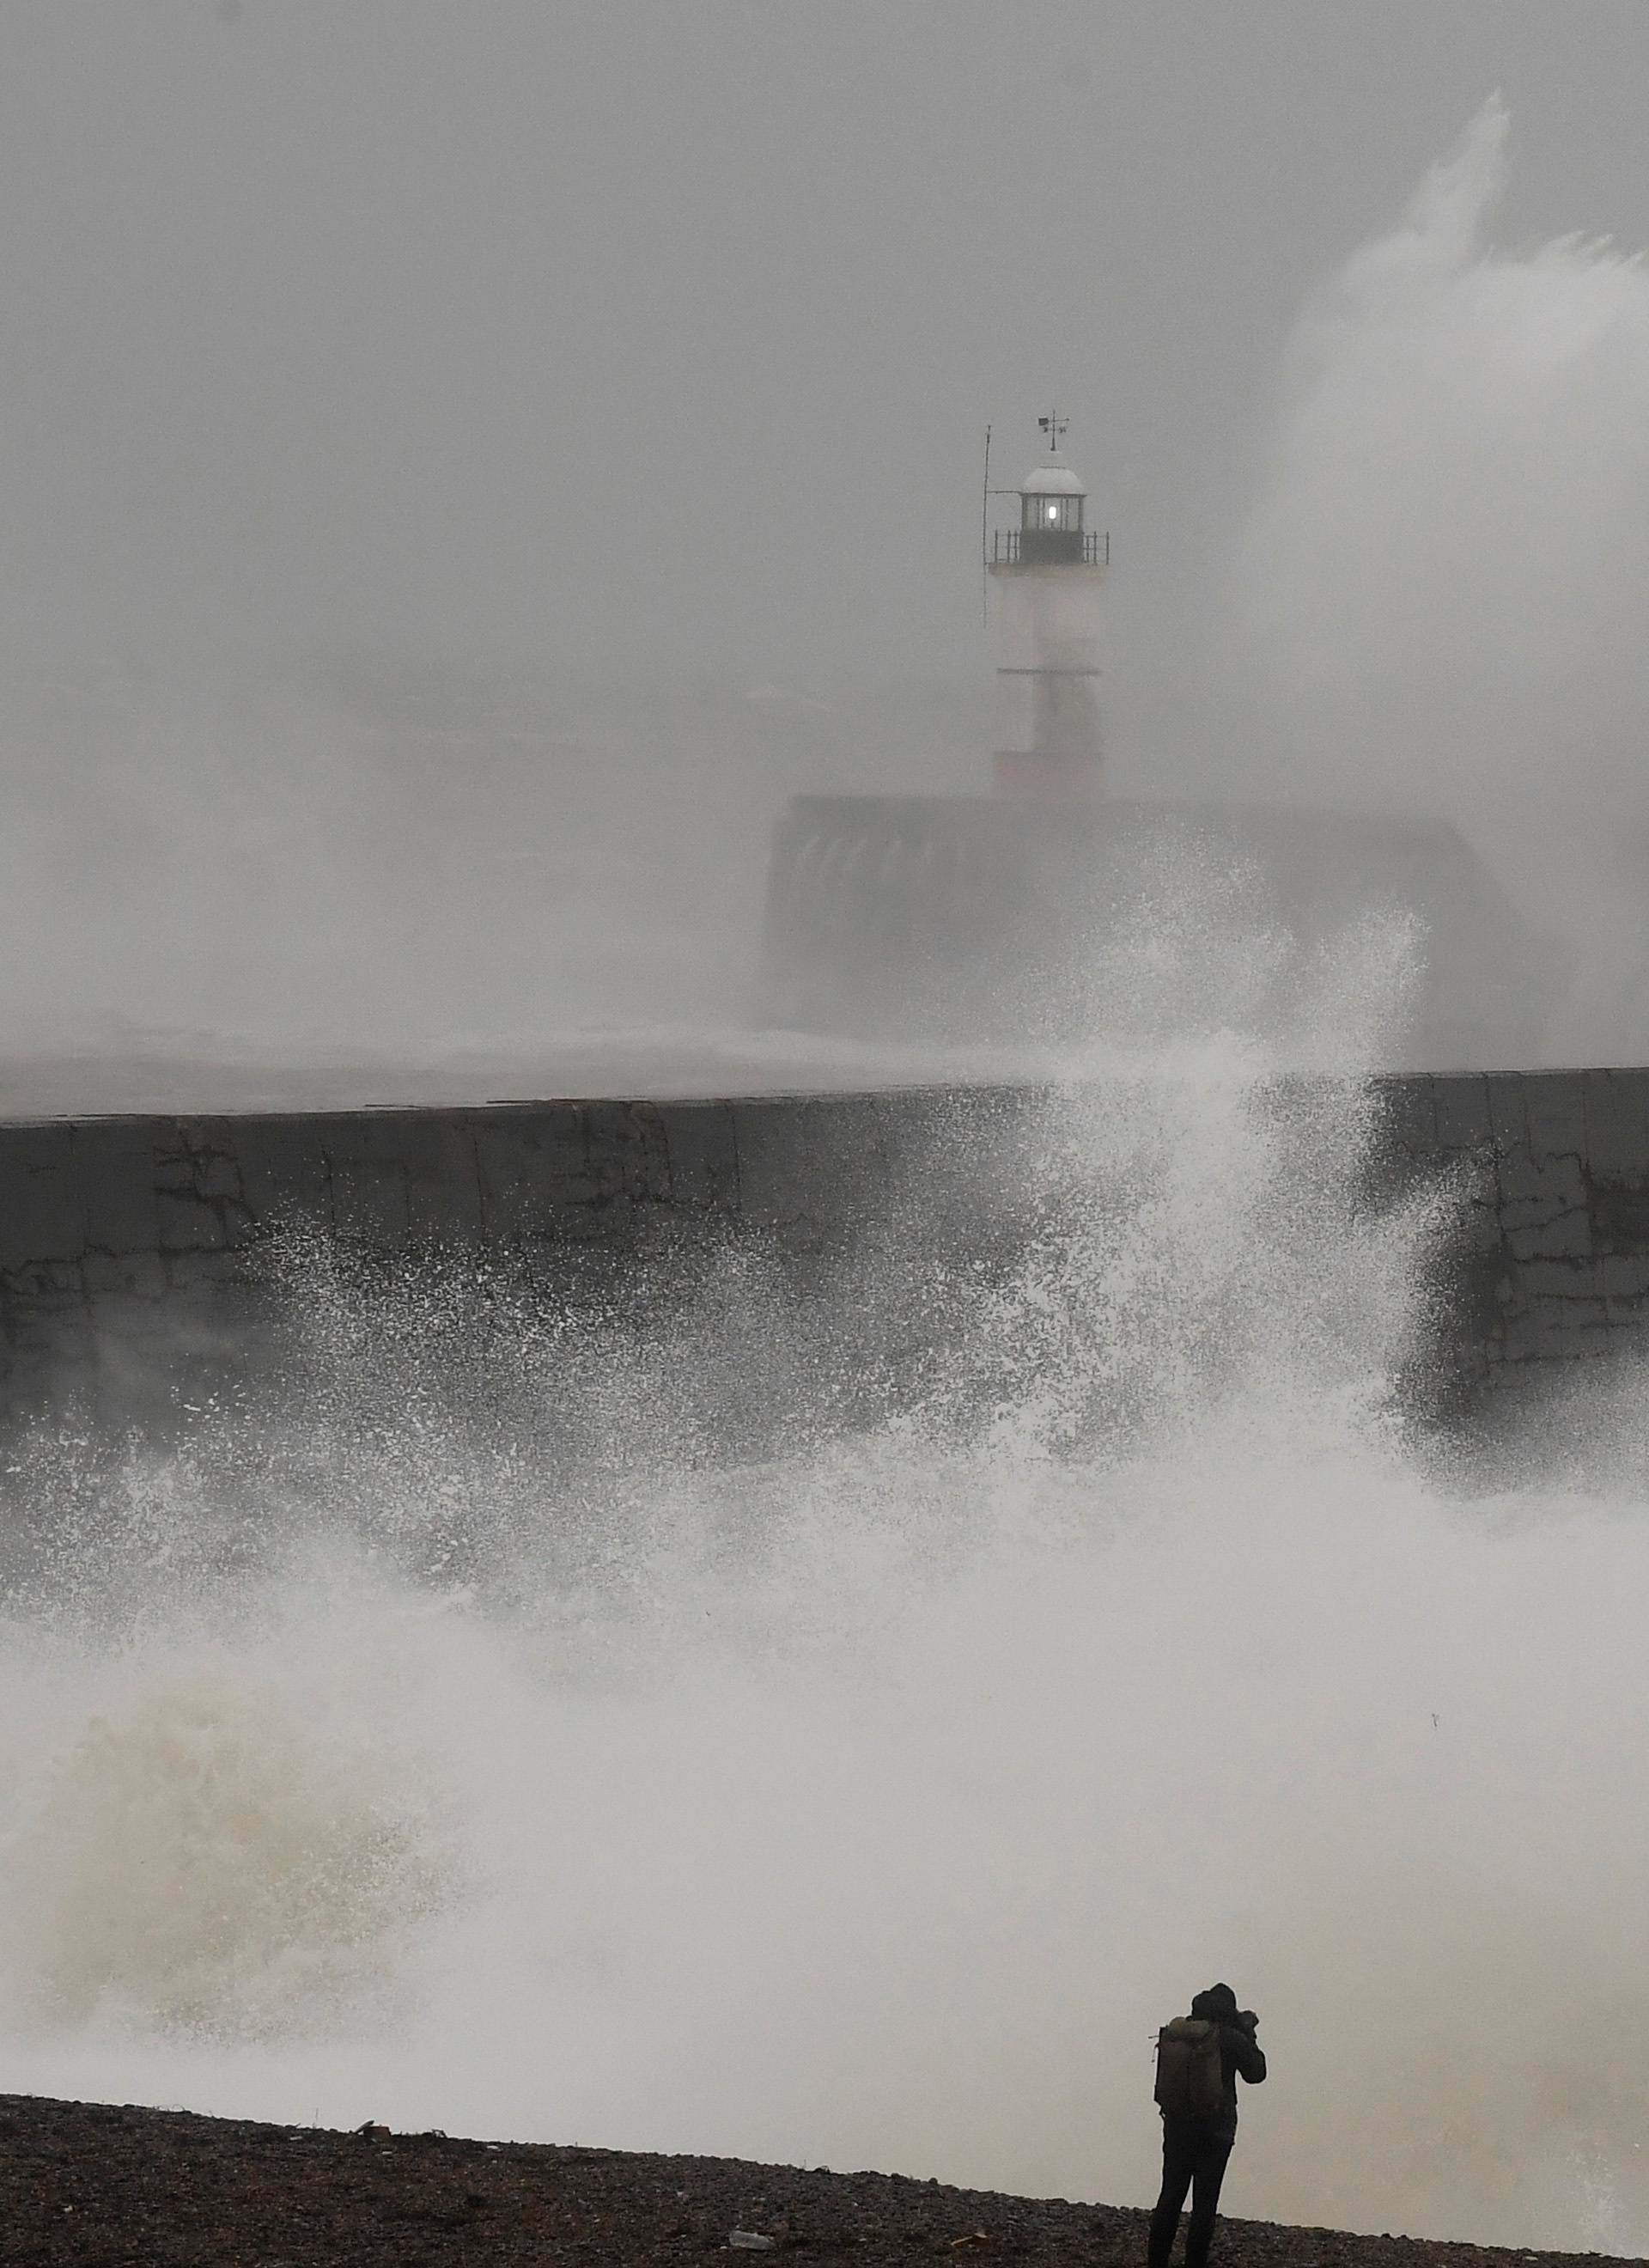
pixel 1047 572
pixel 1005 917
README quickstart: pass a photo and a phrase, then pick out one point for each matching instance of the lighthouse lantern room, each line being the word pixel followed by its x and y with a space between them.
pixel 1048 573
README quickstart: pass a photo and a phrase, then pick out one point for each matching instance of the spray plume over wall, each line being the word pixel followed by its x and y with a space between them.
pixel 1442 588
pixel 498 1739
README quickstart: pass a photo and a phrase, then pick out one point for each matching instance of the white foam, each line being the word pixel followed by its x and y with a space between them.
pixel 457 1737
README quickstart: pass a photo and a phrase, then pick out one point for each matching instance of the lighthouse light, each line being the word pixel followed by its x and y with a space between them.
pixel 1053 511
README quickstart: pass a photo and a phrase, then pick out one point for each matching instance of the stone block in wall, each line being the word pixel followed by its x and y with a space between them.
pixel 1543 1211
pixel 134 1340
pixel 197 1157
pixel 702 1150
pixel 533 1165
pixel 140 1275
pixel 1579 1278
pixel 285 1178
pixel 54 1341
pixel 46 1283
pixel 369 1199
pixel 796 1169
pixel 1508 1112
pixel 1550 1329
pixel 123 1313
pixel 191 1272
pixel 1476 1213
pixel 1625 1286
pixel 188 1223
pixel 1567 1237
pixel 210 1175
pixel 1556 1108
pixel 1618 1211
pixel 1463 1117
pixel 115 1162
pixel 443 1177
pixel 627 1153
pixel 773 1141
pixel 42 1197
pixel 1617 1107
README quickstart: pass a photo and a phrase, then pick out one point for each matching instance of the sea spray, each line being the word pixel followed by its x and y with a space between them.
pixel 443 1731
pixel 1436 601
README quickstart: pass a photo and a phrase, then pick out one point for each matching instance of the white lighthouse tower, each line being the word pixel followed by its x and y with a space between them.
pixel 1049 573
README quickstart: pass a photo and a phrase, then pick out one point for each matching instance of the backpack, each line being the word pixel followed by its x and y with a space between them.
pixel 1190 2071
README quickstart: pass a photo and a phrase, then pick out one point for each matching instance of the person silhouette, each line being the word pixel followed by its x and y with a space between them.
pixel 1200 2058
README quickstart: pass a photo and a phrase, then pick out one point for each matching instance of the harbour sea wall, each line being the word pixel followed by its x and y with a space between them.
pixel 122 1240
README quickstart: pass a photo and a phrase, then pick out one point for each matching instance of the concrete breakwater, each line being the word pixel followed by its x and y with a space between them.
pixel 122 1236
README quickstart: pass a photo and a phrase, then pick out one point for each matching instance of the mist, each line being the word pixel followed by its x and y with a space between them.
pixel 1443 585
pixel 470 1722
pixel 463 476
pixel 466 469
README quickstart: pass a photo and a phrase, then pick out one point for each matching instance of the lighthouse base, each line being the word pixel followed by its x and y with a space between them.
pixel 1055 778
pixel 1016 920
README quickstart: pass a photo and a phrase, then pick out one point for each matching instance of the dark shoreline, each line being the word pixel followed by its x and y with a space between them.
pixel 90 2185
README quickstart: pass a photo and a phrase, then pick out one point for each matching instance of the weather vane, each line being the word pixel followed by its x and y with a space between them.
pixel 1054 425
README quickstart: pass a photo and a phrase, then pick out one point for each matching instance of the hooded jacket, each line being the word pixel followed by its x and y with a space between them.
pixel 1240 2054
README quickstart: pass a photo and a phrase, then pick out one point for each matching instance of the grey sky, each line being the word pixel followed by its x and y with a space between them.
pixel 586 333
